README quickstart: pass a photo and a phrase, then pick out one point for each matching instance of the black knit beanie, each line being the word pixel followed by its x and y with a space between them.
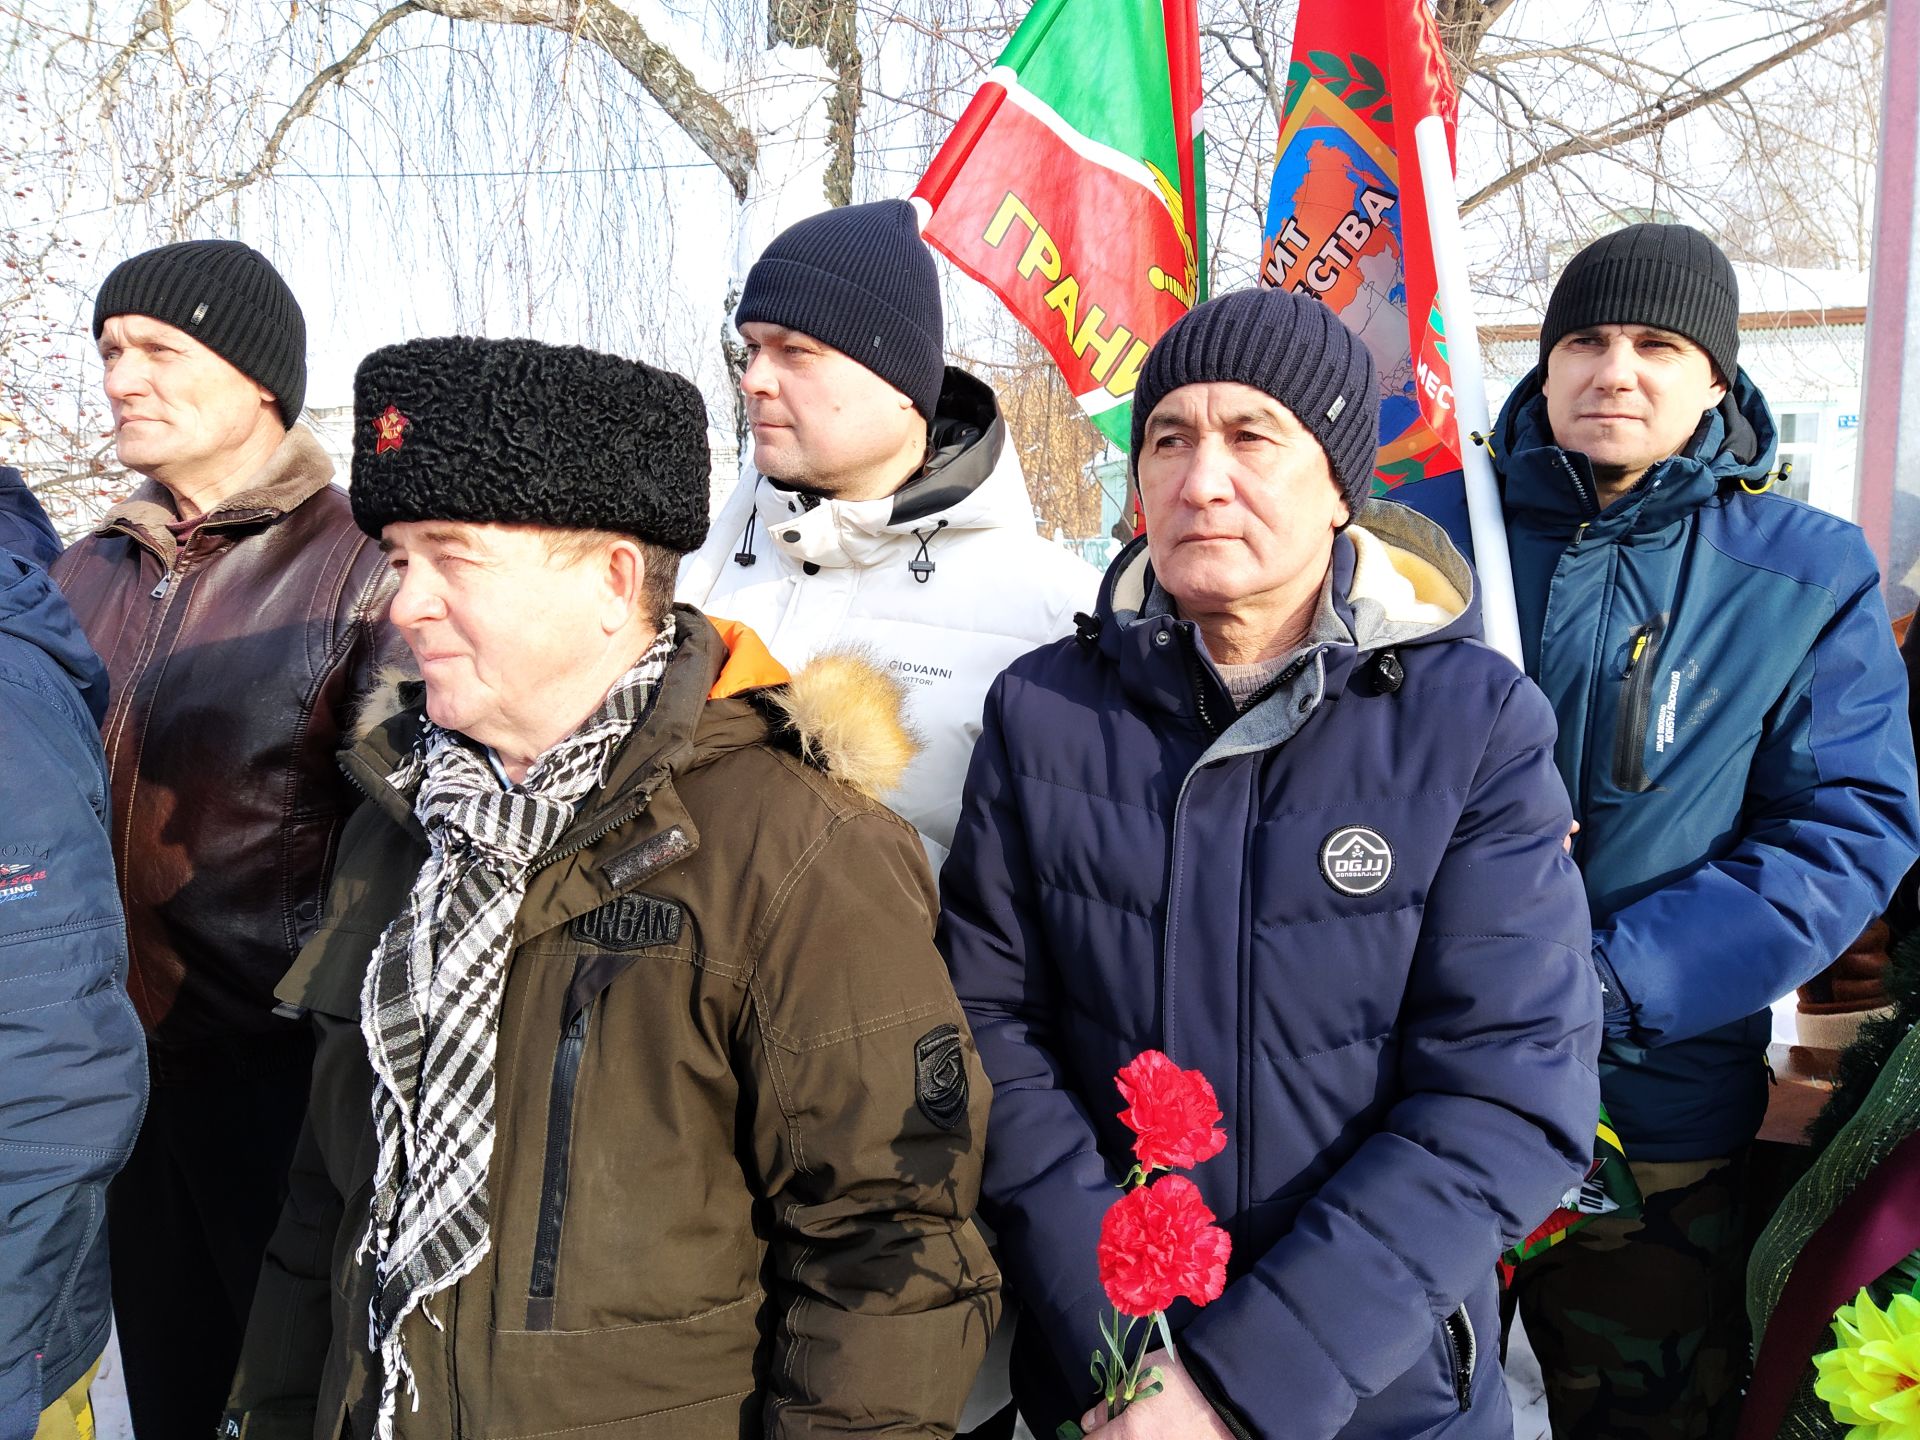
pixel 1668 276
pixel 514 432
pixel 227 296
pixel 861 280
pixel 1293 348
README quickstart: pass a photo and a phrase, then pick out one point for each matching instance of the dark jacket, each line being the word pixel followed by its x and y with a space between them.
pixel 24 528
pixel 1733 732
pixel 73 1074
pixel 237 660
pixel 738 1118
pixel 1406 1072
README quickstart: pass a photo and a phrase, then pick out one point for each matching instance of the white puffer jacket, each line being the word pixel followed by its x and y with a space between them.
pixel 944 582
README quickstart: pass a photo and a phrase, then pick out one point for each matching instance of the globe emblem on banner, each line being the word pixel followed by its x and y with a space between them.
pixel 1328 180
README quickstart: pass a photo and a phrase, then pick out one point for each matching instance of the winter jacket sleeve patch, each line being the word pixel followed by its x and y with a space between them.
pixel 940 1076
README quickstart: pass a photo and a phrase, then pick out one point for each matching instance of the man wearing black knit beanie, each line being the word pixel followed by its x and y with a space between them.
pixel 882 506
pixel 1273 812
pixel 881 503
pixel 241 618
pixel 1732 731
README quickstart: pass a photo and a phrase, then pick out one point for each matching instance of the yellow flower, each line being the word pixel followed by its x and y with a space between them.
pixel 1871 1379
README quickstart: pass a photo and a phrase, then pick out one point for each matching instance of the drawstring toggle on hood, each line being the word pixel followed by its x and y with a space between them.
pixel 921 566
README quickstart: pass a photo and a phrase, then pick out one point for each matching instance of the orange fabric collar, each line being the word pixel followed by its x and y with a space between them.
pixel 750 665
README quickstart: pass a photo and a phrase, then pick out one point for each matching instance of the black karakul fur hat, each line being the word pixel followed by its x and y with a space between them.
pixel 516 432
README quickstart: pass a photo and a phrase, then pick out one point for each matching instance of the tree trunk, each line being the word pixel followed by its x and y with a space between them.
pixel 829 25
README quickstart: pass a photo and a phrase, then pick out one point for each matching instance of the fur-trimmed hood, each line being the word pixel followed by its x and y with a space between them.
pixel 842 713
pixel 848 717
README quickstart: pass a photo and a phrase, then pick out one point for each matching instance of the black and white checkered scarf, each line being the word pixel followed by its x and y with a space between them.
pixel 430 1005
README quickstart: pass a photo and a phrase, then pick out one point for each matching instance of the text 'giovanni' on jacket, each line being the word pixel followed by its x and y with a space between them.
pixel 1733 732
pixel 237 657
pixel 73 1072
pixel 944 583
pixel 738 1115
pixel 1350 907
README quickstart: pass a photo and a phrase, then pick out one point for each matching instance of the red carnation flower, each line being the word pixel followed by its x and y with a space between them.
pixel 1157 1243
pixel 1172 1111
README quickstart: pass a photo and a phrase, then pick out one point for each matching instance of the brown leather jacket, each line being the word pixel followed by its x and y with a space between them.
pixel 236 661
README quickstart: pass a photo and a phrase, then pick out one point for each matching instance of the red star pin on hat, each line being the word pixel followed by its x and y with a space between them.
pixel 389 429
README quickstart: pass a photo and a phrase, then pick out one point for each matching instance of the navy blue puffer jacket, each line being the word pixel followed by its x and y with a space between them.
pixel 1405 1058
pixel 73 1062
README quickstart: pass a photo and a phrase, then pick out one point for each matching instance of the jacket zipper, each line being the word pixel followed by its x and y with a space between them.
pixel 1462 1354
pixel 1630 724
pixel 1587 497
pixel 1196 678
pixel 1590 504
pixel 554 1172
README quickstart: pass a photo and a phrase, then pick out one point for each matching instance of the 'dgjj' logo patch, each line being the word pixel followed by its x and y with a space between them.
pixel 1356 860
pixel 632 922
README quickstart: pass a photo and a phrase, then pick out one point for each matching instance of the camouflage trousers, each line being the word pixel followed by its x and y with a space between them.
pixel 1640 1325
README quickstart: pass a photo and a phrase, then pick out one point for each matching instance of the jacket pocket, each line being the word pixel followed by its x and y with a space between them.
pixel 591 976
pixel 1630 721
pixel 1463 1352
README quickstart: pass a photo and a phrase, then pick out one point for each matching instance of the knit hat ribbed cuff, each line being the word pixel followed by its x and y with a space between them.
pixel 860 279
pixel 227 296
pixel 1289 346
pixel 836 311
pixel 1671 277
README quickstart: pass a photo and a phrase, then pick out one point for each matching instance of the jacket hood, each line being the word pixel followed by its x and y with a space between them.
pixel 842 714
pixel 1395 580
pixel 1735 444
pixel 970 481
pixel 33 610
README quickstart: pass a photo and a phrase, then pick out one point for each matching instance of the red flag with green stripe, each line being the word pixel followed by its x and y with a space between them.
pixel 1347 218
pixel 1073 187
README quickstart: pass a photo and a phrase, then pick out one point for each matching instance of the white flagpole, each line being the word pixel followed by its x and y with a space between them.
pixel 1499 619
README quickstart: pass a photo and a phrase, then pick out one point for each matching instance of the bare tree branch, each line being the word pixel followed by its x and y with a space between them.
pixel 1463 24
pixel 303 106
pixel 708 123
pixel 1655 116
pixel 157 16
pixel 829 24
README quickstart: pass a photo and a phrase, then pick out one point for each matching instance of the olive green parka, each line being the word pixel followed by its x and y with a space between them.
pixel 739 1117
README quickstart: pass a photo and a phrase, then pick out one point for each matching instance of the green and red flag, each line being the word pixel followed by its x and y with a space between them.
pixel 1347 217
pixel 1073 188
pixel 1608 1188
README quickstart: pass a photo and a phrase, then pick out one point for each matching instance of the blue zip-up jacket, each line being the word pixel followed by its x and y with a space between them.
pixel 73 1069
pixel 1406 1065
pixel 24 528
pixel 1733 731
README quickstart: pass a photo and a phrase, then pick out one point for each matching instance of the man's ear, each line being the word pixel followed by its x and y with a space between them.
pixel 625 578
